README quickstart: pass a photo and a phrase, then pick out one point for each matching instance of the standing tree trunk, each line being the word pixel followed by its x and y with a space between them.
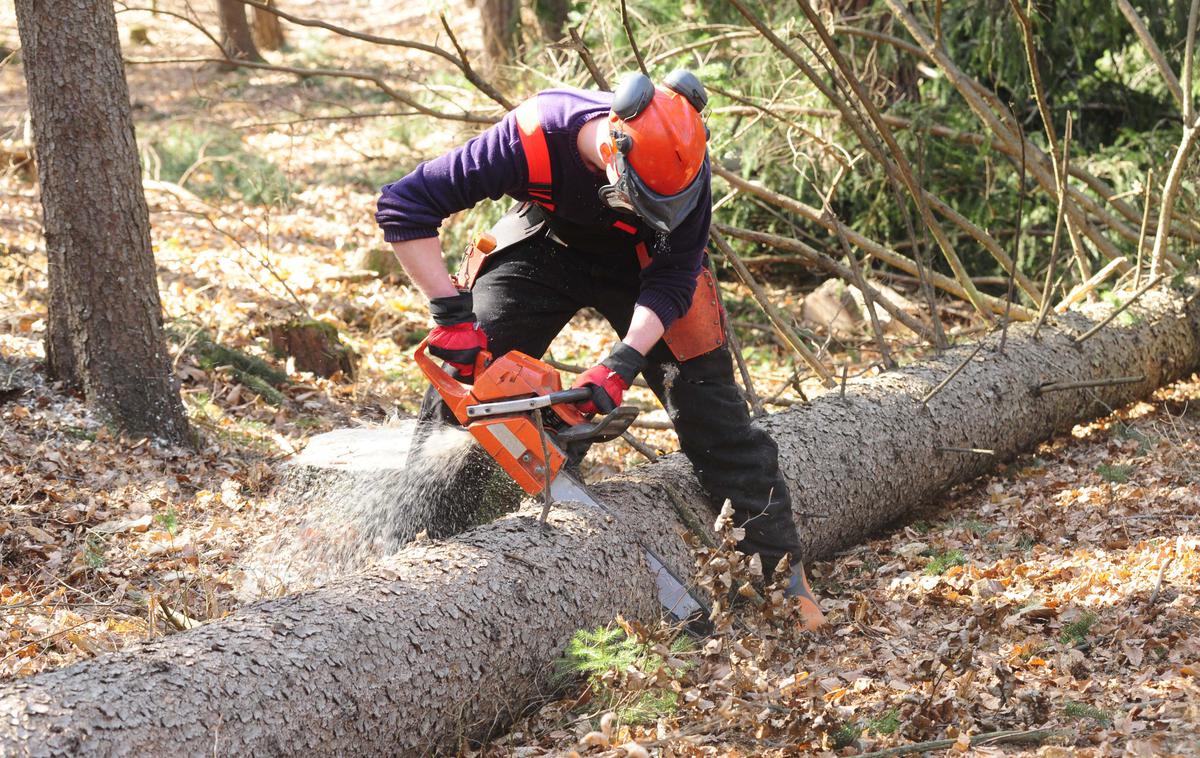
pixel 236 37
pixel 552 18
pixel 268 32
pixel 501 20
pixel 105 319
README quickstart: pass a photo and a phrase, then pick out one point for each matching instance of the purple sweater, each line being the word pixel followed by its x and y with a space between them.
pixel 493 164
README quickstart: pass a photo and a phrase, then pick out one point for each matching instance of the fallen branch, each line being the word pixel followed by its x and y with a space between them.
pixel 1080 292
pixel 822 261
pixel 1033 736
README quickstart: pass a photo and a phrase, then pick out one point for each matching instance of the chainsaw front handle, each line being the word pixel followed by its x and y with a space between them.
pixel 481 410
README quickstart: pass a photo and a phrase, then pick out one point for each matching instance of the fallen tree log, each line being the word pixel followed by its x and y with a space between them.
pixel 447 640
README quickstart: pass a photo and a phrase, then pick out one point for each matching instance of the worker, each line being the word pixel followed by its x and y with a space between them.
pixel 613 213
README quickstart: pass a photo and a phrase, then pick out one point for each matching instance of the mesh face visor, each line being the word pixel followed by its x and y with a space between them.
pixel 663 212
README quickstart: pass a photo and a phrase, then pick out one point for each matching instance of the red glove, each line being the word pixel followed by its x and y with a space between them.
pixel 607 388
pixel 610 379
pixel 457 338
pixel 459 345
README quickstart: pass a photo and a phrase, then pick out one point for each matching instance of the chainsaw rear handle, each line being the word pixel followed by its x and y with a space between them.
pixel 451 389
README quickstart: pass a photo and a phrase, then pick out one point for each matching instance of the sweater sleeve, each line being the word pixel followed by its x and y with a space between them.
pixel 668 283
pixel 488 165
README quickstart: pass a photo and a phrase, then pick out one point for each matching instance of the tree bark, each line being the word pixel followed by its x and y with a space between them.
pixel 105 319
pixel 448 640
pixel 236 38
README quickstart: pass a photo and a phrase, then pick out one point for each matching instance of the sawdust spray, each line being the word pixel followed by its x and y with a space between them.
pixel 343 506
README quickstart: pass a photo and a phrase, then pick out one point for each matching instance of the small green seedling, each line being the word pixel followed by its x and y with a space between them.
pixel 168 521
pixel 1080 711
pixel 1116 473
pixel 888 723
pixel 940 563
pixel 1076 632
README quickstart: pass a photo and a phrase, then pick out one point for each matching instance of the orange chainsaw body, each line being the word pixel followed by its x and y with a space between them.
pixel 530 457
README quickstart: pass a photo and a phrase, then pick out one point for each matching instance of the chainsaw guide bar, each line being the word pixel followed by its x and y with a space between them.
pixel 518 412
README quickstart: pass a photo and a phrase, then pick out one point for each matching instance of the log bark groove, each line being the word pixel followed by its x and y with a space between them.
pixel 447 639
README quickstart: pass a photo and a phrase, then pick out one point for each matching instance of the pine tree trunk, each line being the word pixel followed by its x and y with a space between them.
pixel 450 639
pixel 236 38
pixel 105 325
pixel 266 28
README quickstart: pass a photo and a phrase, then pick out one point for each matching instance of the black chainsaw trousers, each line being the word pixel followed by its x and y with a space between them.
pixel 527 293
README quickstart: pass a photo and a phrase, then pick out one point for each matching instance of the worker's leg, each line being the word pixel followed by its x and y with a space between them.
pixel 733 459
pixel 522 300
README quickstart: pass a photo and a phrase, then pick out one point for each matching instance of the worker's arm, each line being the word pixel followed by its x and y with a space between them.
pixel 422 261
pixel 645 330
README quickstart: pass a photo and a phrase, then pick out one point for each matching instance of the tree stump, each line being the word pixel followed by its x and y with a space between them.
pixel 314 346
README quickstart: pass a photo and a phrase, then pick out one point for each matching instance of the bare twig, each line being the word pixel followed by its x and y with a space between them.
pixel 1119 310
pixel 1059 219
pixel 1170 190
pixel 366 76
pixel 693 45
pixel 1112 381
pixel 1180 227
pixel 1189 55
pixel 950 377
pixel 898 163
pixel 985 105
pixel 637 54
pixel 965 450
pixel 589 63
pixel 735 347
pixel 641 447
pixel 778 320
pixel 1137 269
pixel 869 246
pixel 867 293
pixel 1163 565
pixel 828 264
pixel 1008 291
pixel 461 63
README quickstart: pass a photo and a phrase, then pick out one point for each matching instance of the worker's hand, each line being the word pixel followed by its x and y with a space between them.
pixel 457 338
pixel 610 379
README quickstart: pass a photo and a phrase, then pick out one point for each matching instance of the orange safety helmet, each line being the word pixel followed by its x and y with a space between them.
pixel 658 146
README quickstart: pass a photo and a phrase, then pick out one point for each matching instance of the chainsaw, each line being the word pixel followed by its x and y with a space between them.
pixel 518 412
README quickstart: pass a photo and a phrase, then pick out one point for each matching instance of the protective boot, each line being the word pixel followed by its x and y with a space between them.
pixel 811 617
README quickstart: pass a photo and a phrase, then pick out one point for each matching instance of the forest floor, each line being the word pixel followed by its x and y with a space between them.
pixel 1059 593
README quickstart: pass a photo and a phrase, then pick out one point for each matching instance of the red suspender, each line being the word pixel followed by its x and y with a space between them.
pixel 642 253
pixel 537 160
pixel 537 156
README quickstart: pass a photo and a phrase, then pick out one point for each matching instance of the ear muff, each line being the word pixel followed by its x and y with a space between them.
pixel 633 95
pixel 687 84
